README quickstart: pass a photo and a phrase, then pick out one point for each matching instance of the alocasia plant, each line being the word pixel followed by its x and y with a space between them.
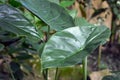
pixel 73 40
pixel 71 44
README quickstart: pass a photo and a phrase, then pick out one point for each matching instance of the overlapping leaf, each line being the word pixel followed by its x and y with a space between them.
pixel 72 45
pixel 55 1
pixel 52 14
pixel 12 20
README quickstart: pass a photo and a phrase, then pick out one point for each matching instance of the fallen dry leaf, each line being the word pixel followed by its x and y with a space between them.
pixel 98 75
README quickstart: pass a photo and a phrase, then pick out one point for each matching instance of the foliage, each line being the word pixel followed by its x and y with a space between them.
pixel 67 48
pixel 45 29
pixel 115 76
pixel 52 14
pixel 13 21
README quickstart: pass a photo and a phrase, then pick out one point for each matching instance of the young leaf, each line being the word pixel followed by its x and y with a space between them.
pixel 67 3
pixel 52 14
pixel 1 47
pixel 13 21
pixel 70 46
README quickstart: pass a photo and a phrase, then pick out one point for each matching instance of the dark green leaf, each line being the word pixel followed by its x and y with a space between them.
pixel 81 22
pixel 12 20
pixel 73 13
pixel 3 1
pixel 115 76
pixel 67 3
pixel 9 41
pixel 72 45
pixel 14 66
pixel 1 47
pixel 55 1
pixel 17 72
pixel 109 78
pixel 52 14
pixel 14 3
pixel 24 56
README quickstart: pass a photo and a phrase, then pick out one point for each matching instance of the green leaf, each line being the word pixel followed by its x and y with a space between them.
pixel 54 1
pixel 3 1
pixel 13 21
pixel 70 46
pixel 29 16
pixel 14 66
pixel 110 78
pixel 24 56
pixel 14 3
pixel 52 14
pixel 1 47
pixel 115 76
pixel 67 3
pixel 81 22
pixel 73 13
pixel 118 16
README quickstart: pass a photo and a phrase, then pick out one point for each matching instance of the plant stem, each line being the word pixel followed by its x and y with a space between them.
pixel 85 68
pixel 56 74
pixel 45 74
pixel 99 56
pixel 13 78
pixel 48 33
pixel 9 67
pixel 45 71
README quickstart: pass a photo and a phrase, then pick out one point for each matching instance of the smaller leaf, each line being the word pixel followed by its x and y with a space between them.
pixel 14 66
pixel 52 14
pixel 119 16
pixel 115 76
pixel 67 3
pixel 1 47
pixel 24 57
pixel 109 78
pixel 73 13
pixel 82 22
pixel 13 21
pixel 17 72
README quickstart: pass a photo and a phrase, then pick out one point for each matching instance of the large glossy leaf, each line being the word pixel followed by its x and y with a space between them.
pixel 72 45
pixel 13 21
pixel 52 14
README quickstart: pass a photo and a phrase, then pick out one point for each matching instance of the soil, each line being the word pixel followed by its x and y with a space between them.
pixel 110 58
